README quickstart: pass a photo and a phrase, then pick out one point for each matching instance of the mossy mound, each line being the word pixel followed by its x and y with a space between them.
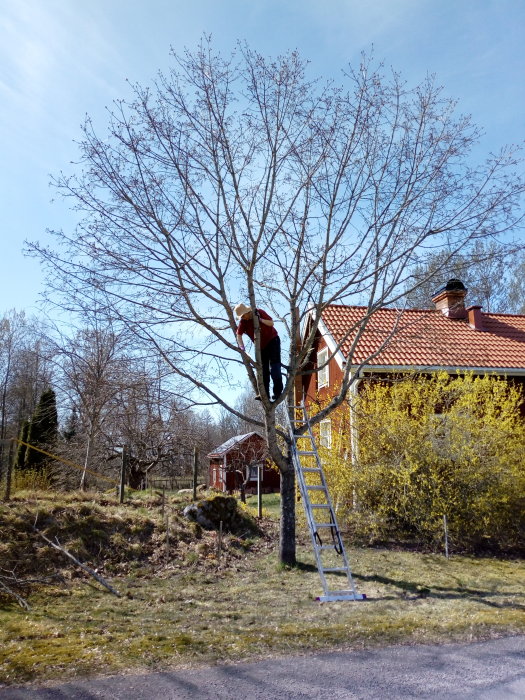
pixel 94 534
pixel 211 512
pixel 141 537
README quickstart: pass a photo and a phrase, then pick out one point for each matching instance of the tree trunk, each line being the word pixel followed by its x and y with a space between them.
pixel 287 534
pixel 86 460
pixel 286 469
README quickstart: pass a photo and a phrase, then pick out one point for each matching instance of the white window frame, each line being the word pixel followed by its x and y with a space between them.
pixel 323 375
pixel 325 433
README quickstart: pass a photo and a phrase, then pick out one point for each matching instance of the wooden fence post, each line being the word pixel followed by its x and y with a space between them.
pixel 10 455
pixel 195 465
pixel 259 489
pixel 122 481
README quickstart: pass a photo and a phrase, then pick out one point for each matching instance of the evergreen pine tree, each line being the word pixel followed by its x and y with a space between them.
pixel 43 430
pixel 71 427
pixel 21 451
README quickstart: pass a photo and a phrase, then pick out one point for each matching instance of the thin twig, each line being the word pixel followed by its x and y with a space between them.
pixel 11 577
pixel 21 601
pixel 78 563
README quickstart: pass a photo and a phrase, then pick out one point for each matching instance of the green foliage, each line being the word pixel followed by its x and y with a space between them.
pixel 435 446
pixel 21 451
pixel 43 430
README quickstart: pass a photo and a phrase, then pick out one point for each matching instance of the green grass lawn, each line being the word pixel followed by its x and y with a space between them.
pixel 271 504
pixel 193 603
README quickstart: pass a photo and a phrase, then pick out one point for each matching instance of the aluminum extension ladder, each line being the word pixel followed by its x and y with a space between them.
pixel 330 555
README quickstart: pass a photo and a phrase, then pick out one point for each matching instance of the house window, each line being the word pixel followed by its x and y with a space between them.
pixel 325 433
pixel 323 374
pixel 253 472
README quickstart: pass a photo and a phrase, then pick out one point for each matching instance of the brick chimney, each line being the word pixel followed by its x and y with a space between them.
pixel 450 299
pixel 475 317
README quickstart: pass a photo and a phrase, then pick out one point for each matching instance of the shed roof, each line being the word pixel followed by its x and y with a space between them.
pixel 427 338
pixel 231 443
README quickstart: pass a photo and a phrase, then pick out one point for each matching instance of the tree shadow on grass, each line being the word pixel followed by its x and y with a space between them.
pixel 302 566
pixel 445 592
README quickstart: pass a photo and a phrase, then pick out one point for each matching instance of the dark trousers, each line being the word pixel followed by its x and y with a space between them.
pixel 271 366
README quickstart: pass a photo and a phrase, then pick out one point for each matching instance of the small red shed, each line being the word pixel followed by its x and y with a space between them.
pixel 230 462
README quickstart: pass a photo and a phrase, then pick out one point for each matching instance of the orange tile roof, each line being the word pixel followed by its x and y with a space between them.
pixel 427 338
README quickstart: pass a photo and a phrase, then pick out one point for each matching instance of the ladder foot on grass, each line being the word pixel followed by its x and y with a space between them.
pixel 334 596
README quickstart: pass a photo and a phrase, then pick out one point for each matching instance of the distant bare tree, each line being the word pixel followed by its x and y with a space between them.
pixel 158 428
pixel 241 179
pixel 517 286
pixel 24 371
pixel 488 269
pixel 91 366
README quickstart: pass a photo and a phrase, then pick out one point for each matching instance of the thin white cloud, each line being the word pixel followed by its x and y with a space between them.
pixel 51 54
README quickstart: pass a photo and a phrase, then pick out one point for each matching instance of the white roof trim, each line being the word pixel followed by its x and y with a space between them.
pixel 327 337
pixel 331 344
pixel 309 314
pixel 514 371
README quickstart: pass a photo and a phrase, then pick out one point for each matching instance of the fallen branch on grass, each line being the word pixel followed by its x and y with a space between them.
pixel 21 601
pixel 10 582
pixel 58 546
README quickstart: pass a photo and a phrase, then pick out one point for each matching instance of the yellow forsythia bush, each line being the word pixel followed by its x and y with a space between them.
pixel 428 447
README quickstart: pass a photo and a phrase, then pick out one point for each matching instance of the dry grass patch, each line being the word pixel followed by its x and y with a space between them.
pixel 178 609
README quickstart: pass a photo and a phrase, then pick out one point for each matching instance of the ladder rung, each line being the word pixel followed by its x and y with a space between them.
pixel 300 421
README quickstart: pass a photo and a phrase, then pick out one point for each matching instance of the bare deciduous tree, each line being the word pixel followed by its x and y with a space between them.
pixel 241 179
pixel 491 272
pixel 91 366
pixel 24 371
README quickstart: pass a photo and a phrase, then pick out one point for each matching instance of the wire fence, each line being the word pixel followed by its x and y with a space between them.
pixel 8 475
pixel 171 483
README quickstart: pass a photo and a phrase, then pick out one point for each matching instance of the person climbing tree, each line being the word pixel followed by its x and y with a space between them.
pixel 270 346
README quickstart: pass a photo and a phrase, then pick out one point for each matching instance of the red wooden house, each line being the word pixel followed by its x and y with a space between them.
pixel 237 460
pixel 450 337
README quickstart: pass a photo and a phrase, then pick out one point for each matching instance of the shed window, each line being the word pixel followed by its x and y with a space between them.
pixel 325 433
pixel 323 374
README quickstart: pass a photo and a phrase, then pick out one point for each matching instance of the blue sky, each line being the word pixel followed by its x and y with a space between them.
pixel 63 59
